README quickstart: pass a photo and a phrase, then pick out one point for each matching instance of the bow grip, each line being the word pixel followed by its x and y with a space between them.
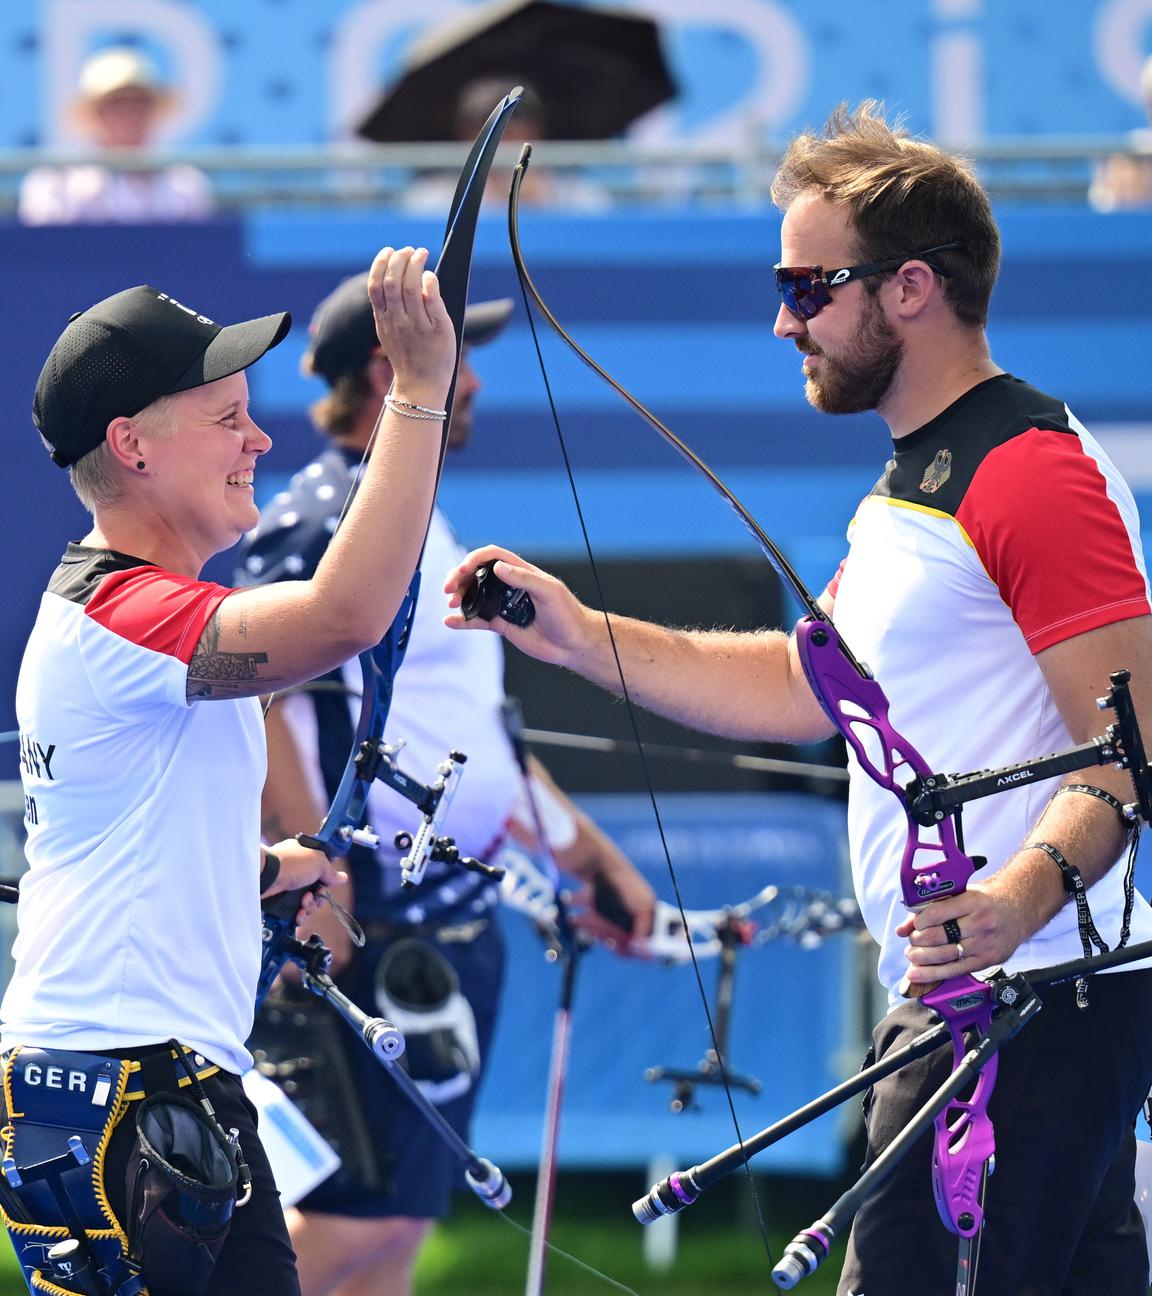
pixel 285 905
pixel 278 914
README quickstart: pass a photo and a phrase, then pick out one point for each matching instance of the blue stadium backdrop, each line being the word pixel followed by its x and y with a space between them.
pixel 294 71
pixel 679 306
pixel 689 333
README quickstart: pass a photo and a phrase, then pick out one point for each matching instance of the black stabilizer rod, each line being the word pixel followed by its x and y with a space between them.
pixel 1074 968
pixel 486 1180
pixel 928 800
pixel 386 1042
pixel 683 1187
pixel 379 1035
pixel 810 1248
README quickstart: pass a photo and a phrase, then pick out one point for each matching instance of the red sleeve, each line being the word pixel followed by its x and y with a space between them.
pixel 1054 540
pixel 156 609
pixel 833 586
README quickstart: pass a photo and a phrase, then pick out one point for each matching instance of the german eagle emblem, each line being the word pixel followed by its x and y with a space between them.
pixel 937 472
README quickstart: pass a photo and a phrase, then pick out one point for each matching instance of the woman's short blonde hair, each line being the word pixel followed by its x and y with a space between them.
pixel 97 478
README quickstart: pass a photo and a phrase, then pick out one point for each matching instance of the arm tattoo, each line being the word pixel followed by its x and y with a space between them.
pixel 216 674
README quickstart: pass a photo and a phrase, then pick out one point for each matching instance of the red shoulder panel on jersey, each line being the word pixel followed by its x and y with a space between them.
pixel 1052 538
pixel 833 586
pixel 156 609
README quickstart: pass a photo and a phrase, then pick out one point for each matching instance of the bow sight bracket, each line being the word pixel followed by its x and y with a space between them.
pixel 930 799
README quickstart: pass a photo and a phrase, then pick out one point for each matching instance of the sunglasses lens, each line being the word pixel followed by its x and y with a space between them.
pixel 803 296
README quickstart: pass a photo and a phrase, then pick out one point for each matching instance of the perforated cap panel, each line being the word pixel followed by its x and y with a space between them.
pixel 116 358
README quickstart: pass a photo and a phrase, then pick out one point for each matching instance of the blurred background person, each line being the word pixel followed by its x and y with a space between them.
pixel 120 103
pixel 1124 180
pixel 434 957
pixel 588 73
pixel 543 186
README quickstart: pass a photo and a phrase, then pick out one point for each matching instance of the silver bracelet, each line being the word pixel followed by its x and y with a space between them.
pixel 407 410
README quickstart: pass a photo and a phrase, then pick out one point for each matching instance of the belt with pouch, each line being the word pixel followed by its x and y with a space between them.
pixel 459 933
pixel 61 1108
pixel 156 1067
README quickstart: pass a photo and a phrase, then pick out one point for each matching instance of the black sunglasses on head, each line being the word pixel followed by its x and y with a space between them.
pixel 805 289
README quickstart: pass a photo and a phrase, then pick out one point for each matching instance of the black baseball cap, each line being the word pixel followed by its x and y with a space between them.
pixel 118 356
pixel 342 334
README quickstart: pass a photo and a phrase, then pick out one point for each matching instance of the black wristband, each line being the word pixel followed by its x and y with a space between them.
pixel 1074 885
pixel 1073 882
pixel 270 870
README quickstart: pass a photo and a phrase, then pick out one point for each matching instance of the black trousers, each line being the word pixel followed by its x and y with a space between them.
pixel 1060 1216
pixel 257 1258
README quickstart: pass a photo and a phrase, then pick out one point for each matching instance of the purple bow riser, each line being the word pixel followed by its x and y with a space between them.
pixel 933 866
pixel 964 1141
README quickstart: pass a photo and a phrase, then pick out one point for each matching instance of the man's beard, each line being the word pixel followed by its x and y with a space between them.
pixel 859 378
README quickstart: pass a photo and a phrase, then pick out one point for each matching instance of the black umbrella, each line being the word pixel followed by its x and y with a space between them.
pixel 595 70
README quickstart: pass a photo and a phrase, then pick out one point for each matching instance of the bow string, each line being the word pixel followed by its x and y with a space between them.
pixel 933 863
pixel 529 291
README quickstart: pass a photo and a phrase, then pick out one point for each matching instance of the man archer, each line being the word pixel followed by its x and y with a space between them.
pixel 993 580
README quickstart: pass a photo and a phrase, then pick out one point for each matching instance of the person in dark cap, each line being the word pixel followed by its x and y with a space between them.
pixel 143 756
pixel 344 352
pixel 433 962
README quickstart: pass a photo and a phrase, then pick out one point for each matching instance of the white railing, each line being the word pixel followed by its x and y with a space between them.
pixel 1032 169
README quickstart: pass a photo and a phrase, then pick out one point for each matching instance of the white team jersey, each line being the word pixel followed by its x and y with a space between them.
pixel 139 917
pixel 999 530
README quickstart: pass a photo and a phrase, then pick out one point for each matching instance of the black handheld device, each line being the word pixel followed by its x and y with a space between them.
pixel 487 596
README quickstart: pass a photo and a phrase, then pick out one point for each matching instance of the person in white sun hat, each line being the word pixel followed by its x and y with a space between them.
pixel 121 102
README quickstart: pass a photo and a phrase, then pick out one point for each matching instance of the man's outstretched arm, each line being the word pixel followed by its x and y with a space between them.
pixel 743 685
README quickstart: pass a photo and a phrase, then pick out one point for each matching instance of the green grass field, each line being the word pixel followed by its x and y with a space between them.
pixel 720 1251
pixel 721 1256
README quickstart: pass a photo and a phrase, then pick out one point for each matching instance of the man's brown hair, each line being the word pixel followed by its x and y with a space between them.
pixel 337 413
pixel 902 196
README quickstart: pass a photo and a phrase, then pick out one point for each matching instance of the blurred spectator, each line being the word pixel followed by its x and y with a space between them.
pixel 120 103
pixel 1124 180
pixel 541 187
